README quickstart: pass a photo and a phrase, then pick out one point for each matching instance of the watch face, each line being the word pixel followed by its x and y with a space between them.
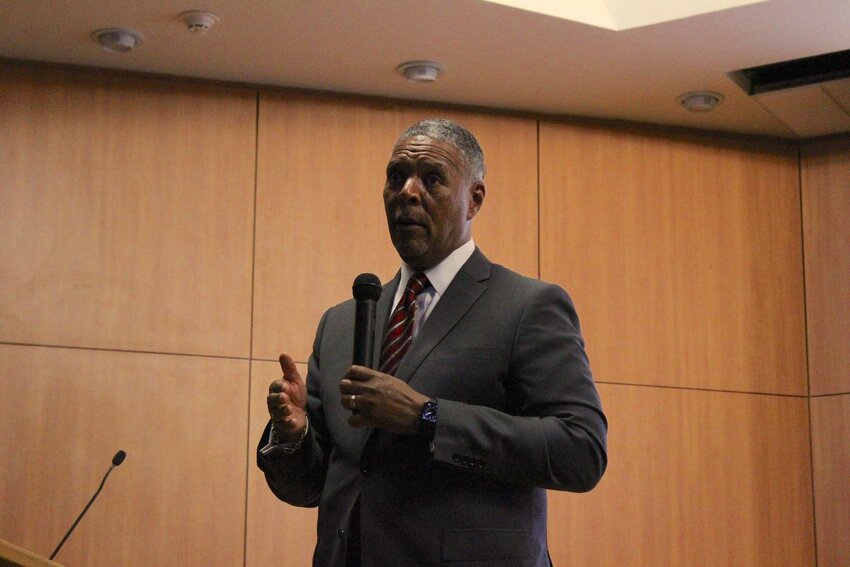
pixel 429 412
pixel 428 420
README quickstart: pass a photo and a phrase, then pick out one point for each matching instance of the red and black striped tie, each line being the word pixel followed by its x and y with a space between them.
pixel 400 328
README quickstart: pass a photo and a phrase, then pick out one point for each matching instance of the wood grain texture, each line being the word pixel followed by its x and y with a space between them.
pixel 831 454
pixel 320 215
pixel 826 210
pixel 277 534
pixel 683 256
pixel 178 498
pixel 126 213
pixel 694 478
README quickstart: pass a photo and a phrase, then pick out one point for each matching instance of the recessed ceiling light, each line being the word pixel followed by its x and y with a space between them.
pixel 421 71
pixel 700 101
pixel 117 40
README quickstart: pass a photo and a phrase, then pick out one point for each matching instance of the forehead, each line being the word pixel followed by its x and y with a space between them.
pixel 427 150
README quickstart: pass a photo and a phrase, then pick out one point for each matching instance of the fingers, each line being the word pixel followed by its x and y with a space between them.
pixel 279 405
pixel 360 373
pixel 357 380
pixel 283 393
pixel 346 386
pixel 353 402
pixel 362 383
pixel 274 398
pixel 279 388
pixel 354 396
pixel 286 416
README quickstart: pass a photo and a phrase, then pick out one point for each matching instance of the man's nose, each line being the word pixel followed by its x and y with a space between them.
pixel 412 190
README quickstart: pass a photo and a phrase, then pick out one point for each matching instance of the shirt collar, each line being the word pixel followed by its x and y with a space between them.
pixel 443 273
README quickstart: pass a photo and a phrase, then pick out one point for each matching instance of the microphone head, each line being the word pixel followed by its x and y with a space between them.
pixel 366 286
pixel 118 458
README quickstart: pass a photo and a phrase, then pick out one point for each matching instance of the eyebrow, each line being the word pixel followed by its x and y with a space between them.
pixel 426 165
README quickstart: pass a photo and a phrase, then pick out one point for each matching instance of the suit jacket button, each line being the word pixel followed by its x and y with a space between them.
pixel 341 534
pixel 455 457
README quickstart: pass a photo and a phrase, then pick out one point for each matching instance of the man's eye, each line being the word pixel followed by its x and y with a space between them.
pixel 394 177
pixel 432 179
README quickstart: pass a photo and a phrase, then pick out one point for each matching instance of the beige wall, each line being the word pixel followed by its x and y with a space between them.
pixel 156 240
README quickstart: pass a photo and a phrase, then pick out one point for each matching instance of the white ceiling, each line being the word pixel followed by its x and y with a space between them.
pixel 624 14
pixel 495 55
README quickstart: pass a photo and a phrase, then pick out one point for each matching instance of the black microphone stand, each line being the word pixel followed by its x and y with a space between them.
pixel 119 457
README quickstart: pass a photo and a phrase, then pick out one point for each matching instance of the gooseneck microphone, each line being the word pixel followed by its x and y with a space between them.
pixel 367 290
pixel 116 460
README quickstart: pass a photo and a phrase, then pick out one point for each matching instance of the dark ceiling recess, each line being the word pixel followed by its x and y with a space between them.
pixel 796 73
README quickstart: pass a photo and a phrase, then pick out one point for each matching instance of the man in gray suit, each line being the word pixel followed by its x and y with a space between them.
pixel 484 398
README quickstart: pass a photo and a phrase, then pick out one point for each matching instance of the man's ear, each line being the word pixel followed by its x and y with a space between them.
pixel 477 191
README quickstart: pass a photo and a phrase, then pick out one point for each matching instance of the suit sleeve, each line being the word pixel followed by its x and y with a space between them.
pixel 299 478
pixel 552 432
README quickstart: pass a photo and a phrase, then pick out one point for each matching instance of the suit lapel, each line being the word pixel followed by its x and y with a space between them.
pixel 467 286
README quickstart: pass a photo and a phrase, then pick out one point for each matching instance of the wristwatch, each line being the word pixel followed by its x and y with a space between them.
pixel 428 419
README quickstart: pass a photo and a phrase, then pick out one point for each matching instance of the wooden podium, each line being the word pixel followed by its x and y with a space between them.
pixel 14 556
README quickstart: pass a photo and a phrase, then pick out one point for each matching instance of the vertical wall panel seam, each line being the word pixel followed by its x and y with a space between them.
pixel 806 342
pixel 251 334
pixel 539 220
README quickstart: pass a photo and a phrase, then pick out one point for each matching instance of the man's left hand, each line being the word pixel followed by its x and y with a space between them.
pixel 380 400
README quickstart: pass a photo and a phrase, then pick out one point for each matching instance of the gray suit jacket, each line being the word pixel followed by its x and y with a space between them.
pixel 518 413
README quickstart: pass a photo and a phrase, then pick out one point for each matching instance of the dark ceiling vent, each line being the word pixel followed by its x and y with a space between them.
pixel 796 73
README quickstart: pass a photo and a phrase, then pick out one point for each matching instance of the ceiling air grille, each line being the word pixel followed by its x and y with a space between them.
pixel 796 73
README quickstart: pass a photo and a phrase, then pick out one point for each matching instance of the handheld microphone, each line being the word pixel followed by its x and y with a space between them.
pixel 116 460
pixel 367 290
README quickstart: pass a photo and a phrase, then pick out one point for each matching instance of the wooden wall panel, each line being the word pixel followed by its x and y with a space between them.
pixel 126 222
pixel 694 478
pixel 178 499
pixel 277 534
pixel 320 216
pixel 831 454
pixel 126 213
pixel 826 210
pixel 682 255
pixel 506 227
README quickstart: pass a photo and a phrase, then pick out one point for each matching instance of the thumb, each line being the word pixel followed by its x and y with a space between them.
pixel 290 371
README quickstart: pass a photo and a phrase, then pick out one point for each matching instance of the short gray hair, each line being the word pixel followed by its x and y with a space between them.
pixel 456 135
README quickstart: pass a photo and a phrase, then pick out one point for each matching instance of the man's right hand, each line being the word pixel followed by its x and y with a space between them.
pixel 287 401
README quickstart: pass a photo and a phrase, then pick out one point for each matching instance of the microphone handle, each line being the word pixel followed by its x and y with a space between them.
pixel 364 332
pixel 83 513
